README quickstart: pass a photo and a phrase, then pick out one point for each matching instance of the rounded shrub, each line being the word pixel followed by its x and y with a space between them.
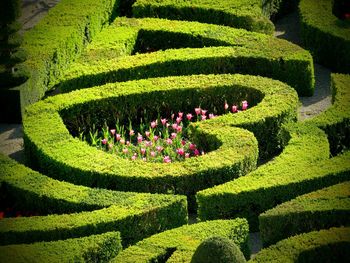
pixel 218 249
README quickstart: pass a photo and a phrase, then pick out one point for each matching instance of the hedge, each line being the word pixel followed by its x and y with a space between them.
pixel 245 14
pixel 88 210
pixel 179 244
pixel 325 208
pixel 335 121
pixel 324 246
pixel 51 45
pixel 302 167
pixel 95 248
pixel 245 52
pixel 275 9
pixel 326 36
pixel 232 152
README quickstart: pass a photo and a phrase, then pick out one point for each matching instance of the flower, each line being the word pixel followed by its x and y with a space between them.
pixel 148 143
pixel 234 108
pixel 203 117
pixel 155 138
pixel 173 135
pixel 183 142
pixel 122 141
pixel 143 151
pixel 189 116
pixel 226 106
pixel 179 128
pixel 154 124
pixel 169 141
pixel 110 145
pixel 166 159
pixel 104 141
pixel 197 110
pixel 174 126
pixel 181 114
pixel 211 116
pixel 153 154
pixel 127 143
pixel 131 132
pixel 196 152
pixel 178 119
pixel 147 133
pixel 113 131
pixel 180 151
pixel 125 150
pixel 187 155
pixel 159 148
pixel 133 157
pixel 192 146
pixel 204 112
pixel 144 159
pixel 118 137
pixel 163 121
pixel 244 105
pixel 139 138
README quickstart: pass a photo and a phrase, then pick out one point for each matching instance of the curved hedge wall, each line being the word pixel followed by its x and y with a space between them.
pixel 179 244
pixel 302 167
pixel 87 210
pixel 325 208
pixel 95 248
pixel 214 49
pixel 326 36
pixel 245 14
pixel 326 245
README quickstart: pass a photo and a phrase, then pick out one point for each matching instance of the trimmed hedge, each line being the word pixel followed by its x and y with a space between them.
pixel 179 244
pixel 51 45
pixel 134 215
pixel 96 248
pixel 324 246
pixel 233 151
pixel 246 52
pixel 326 36
pixel 302 167
pixel 245 14
pixel 325 208
pixel 335 121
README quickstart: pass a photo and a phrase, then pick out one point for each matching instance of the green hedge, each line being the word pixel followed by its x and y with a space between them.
pixel 55 42
pixel 96 248
pixel 326 36
pixel 302 167
pixel 325 208
pixel 245 14
pixel 134 215
pixel 178 245
pixel 245 52
pixel 335 121
pixel 233 150
pixel 323 246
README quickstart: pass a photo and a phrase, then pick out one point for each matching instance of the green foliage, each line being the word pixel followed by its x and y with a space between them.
pixel 95 248
pixel 277 8
pixel 302 167
pixel 335 121
pixel 245 14
pixel 326 36
pixel 179 244
pixel 325 208
pixel 214 49
pixel 218 249
pixel 324 246
pixel 88 210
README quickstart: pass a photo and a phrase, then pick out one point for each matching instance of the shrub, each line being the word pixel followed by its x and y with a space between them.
pixel 218 249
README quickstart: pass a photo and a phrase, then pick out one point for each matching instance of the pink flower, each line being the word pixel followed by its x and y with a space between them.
pixel 178 119
pixel 166 159
pixel 187 155
pixel 118 137
pixel 226 106
pixel 143 151
pixel 154 124
pixel 104 141
pixel 234 108
pixel 173 135
pixel 147 133
pixel 174 126
pixel 144 159
pixel 163 121
pixel 131 132
pixel 133 157
pixel 169 141
pixel 139 138
pixel 180 151
pixel 179 128
pixel 125 151
pixel 127 143
pixel 196 152
pixel 155 138
pixel 183 142
pixel 198 111
pixel 204 112
pixel 192 146
pixel 189 116
pixel 159 148
pixel 244 105
pixel 172 116
pixel 148 144
pixel 110 145
pixel 122 141
pixel 113 131
pixel 203 117
pixel 211 116
pixel 153 154
pixel 181 114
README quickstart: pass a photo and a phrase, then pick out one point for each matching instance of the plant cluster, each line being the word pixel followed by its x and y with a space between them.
pixel 161 140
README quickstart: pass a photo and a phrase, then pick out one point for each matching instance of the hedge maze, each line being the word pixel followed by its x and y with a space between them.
pixel 263 169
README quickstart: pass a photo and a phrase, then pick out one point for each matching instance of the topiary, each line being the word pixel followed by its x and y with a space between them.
pixel 218 249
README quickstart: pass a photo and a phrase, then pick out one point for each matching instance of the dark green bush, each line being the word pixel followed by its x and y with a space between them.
pixel 218 249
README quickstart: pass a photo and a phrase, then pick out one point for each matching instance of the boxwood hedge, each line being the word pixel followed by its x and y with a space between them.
pixel 95 248
pixel 302 167
pixel 179 244
pixel 87 210
pixel 325 208
pixel 245 14
pixel 335 121
pixel 233 150
pixel 245 52
pixel 326 36
pixel 326 245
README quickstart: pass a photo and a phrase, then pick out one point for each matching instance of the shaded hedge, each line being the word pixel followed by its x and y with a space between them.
pixel 325 208
pixel 326 245
pixel 89 211
pixel 179 244
pixel 245 52
pixel 95 248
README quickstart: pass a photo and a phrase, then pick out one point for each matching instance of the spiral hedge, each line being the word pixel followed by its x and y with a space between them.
pixel 91 203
